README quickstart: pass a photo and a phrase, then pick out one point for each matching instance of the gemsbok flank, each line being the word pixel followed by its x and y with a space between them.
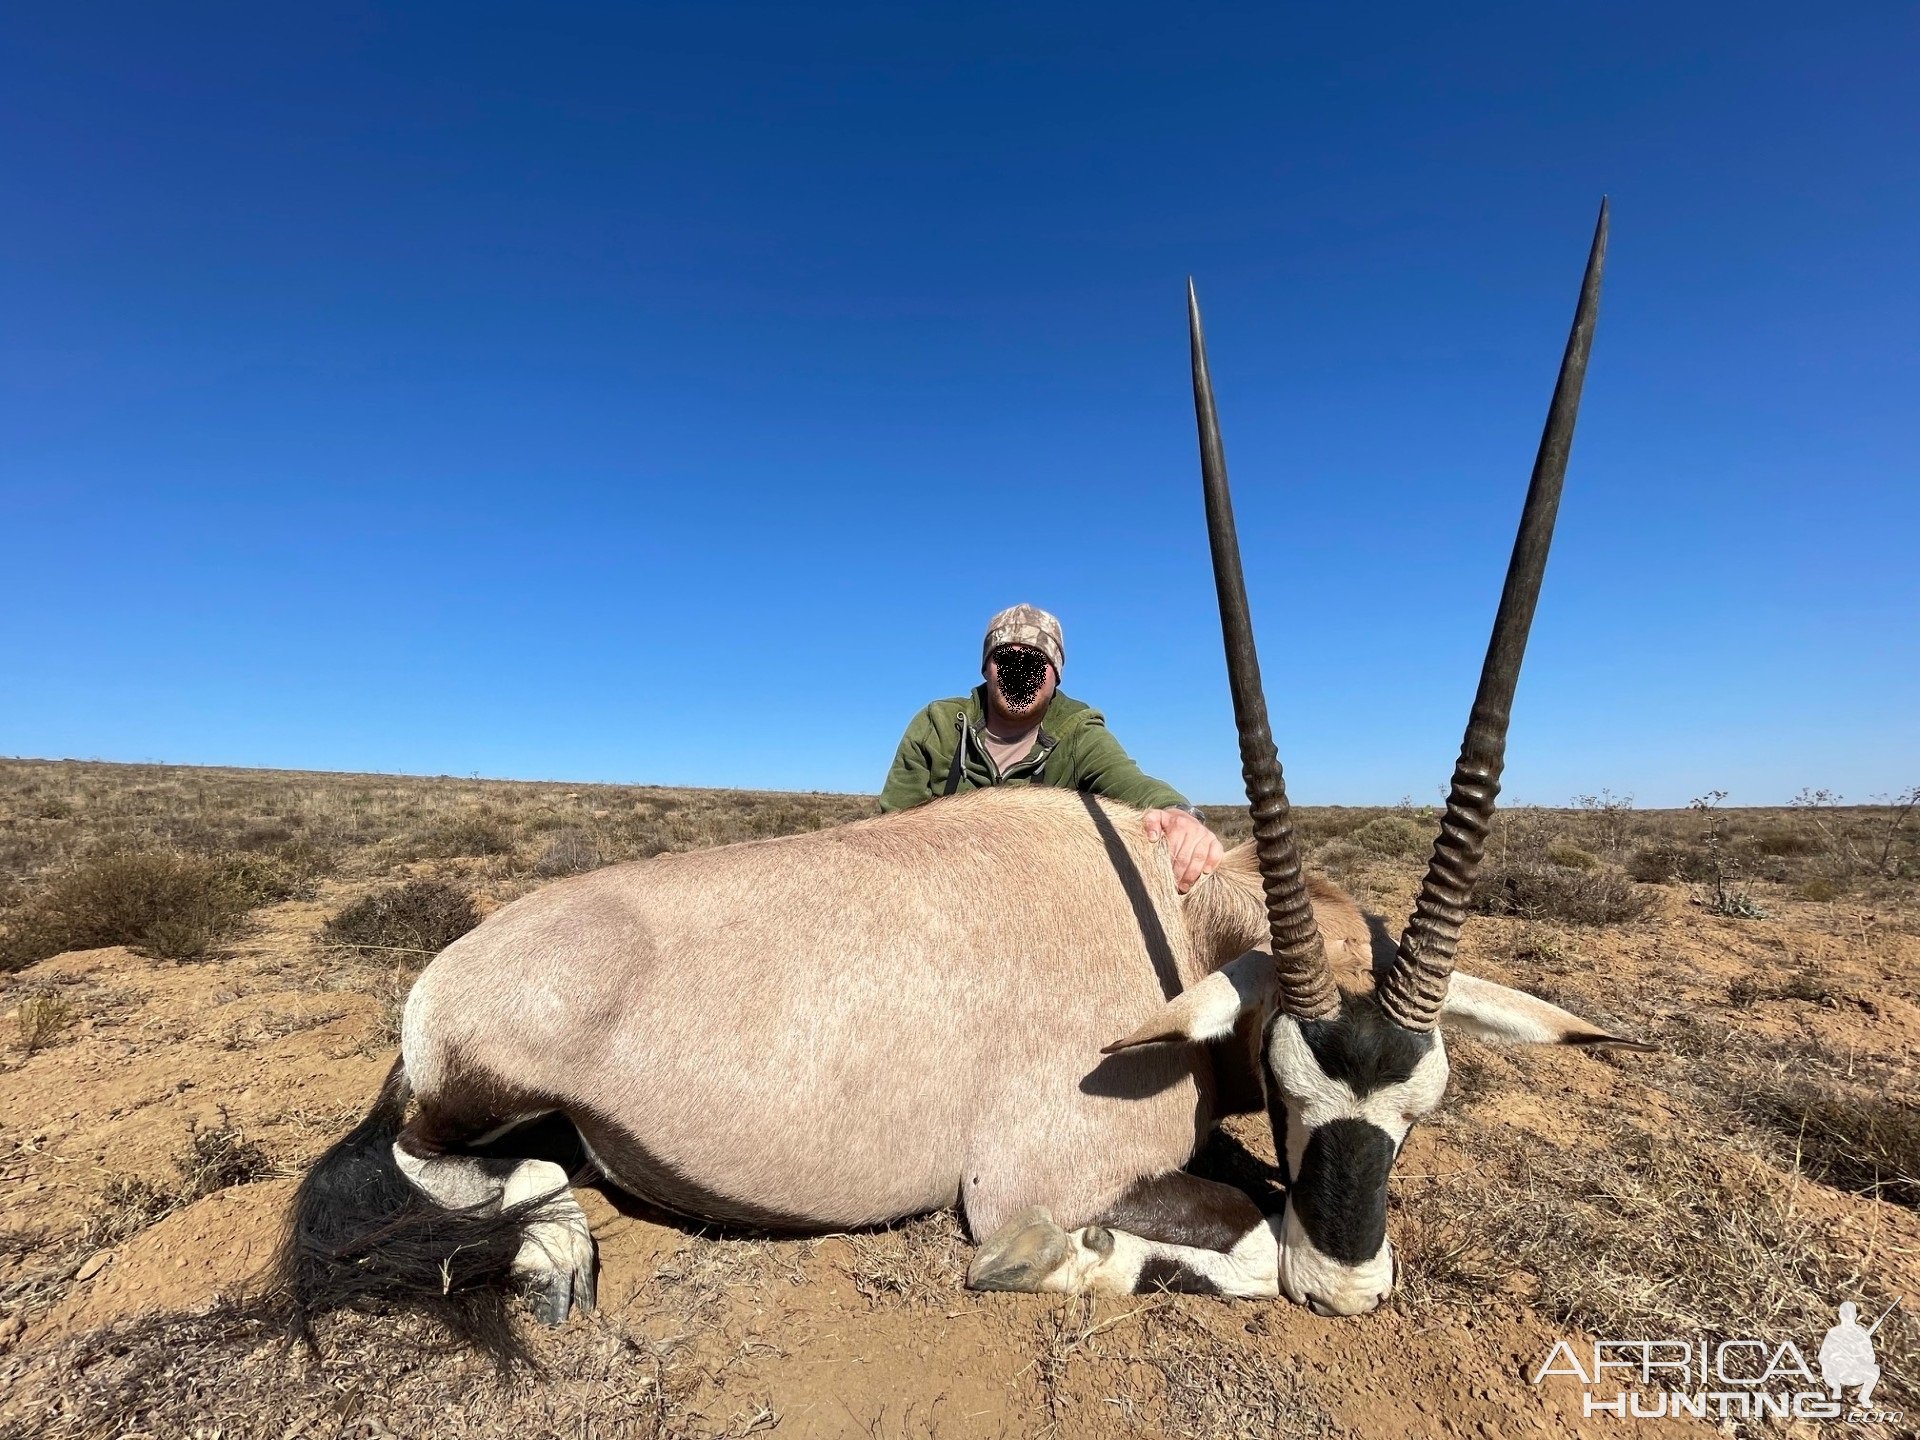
pixel 839 1029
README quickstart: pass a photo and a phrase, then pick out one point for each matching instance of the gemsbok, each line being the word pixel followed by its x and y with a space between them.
pixel 843 1028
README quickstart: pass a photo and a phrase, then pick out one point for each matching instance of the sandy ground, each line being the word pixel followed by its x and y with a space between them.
pixel 874 1334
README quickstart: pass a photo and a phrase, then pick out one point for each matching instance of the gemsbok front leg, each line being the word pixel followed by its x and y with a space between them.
pixel 1168 1232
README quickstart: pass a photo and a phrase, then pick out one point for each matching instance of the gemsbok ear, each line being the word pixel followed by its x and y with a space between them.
pixel 1209 1010
pixel 1504 1016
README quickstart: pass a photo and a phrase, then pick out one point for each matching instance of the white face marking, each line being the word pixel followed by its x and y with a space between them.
pixel 1345 1289
pixel 1312 1099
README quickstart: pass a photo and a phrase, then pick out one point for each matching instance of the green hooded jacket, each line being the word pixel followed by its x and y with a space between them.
pixel 1074 750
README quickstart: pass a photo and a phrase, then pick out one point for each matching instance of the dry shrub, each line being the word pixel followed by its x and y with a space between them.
pixel 1392 836
pixel 420 917
pixel 128 1204
pixel 477 834
pixel 1339 859
pixel 1785 843
pixel 218 1158
pixel 1665 861
pixel 568 852
pixel 213 1159
pixel 227 1372
pixel 1629 1234
pixel 1816 888
pixel 40 1021
pixel 1570 856
pixel 1842 1135
pixel 268 879
pixel 175 906
pixel 1552 892
pixel 263 834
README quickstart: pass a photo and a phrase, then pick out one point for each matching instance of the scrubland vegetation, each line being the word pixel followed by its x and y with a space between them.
pixel 1763 1165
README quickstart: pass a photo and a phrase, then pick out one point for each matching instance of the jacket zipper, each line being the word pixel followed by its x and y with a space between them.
pixel 1047 745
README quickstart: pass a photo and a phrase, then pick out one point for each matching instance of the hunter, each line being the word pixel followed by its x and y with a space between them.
pixel 1016 728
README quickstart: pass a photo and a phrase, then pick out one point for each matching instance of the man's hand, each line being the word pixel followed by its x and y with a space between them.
pixel 1192 847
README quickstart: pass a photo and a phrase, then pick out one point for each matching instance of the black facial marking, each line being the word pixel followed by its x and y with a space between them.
pixel 1019 672
pixel 1340 1194
pixel 1159 1273
pixel 1364 1048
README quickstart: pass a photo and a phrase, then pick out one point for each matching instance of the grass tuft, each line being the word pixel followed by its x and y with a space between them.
pixel 41 1020
pixel 214 1158
pixel 1842 1135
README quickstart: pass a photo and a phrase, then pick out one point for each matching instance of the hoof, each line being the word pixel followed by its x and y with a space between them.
pixel 1098 1239
pixel 559 1271
pixel 553 1301
pixel 1021 1255
pixel 562 1293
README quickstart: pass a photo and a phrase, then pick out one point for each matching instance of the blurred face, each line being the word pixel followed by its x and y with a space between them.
pixel 1020 681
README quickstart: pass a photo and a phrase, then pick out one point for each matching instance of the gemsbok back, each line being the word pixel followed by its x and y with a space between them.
pixel 916 1011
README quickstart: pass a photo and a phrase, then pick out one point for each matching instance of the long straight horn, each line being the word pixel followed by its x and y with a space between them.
pixel 1415 987
pixel 1300 961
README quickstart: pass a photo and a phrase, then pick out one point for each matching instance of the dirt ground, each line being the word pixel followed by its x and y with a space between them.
pixel 1713 1190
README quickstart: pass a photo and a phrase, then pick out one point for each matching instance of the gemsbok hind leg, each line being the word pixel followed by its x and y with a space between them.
pixel 556 1256
pixel 1173 1231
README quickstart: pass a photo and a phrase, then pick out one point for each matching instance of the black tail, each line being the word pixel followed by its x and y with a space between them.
pixel 362 1237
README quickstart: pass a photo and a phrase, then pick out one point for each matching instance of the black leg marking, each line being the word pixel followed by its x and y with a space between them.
pixel 1176 1208
pixel 1163 1274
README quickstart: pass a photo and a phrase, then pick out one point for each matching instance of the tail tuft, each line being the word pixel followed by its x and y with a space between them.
pixel 362 1237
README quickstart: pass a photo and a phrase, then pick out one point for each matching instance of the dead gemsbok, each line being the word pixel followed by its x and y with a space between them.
pixel 842 1028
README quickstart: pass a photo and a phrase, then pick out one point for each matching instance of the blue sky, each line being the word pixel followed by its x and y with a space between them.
pixel 669 393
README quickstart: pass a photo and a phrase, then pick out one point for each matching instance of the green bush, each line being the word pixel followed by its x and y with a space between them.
pixel 1392 836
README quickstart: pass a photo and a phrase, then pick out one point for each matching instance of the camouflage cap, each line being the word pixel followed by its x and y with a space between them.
pixel 1026 625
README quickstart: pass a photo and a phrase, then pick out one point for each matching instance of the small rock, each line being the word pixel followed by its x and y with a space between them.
pixel 93 1265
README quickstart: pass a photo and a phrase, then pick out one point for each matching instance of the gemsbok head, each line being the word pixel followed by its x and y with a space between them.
pixel 1349 1072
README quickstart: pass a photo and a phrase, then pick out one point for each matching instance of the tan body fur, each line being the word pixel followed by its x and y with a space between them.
pixel 850 1026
